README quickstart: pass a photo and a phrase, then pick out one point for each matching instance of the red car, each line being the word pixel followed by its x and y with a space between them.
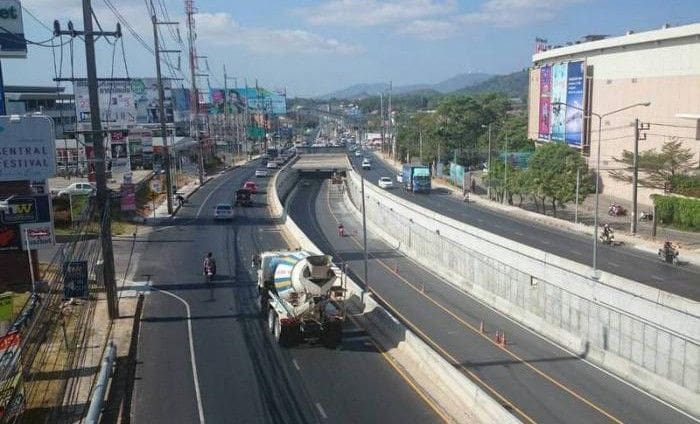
pixel 251 186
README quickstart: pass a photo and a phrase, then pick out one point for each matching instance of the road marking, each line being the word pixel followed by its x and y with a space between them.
pixel 545 242
pixel 321 411
pixel 614 264
pixel 517 233
pixel 296 364
pixel 657 278
pixel 206 199
pixel 576 252
pixel 484 336
pixel 193 359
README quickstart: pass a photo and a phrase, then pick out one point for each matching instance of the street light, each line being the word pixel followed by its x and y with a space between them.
pixel 488 187
pixel 597 180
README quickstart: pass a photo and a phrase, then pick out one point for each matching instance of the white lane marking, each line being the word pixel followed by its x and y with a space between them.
pixel 199 211
pixel 321 411
pixel 576 252
pixel 296 364
pixel 657 278
pixel 517 233
pixel 614 264
pixel 545 242
pixel 193 359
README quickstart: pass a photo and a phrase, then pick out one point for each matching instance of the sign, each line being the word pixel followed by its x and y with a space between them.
pixel 10 238
pixel 11 388
pixel 23 208
pixel 128 197
pixel 2 95
pixel 156 186
pixel 12 41
pixel 38 235
pixel 574 97
pixel 545 102
pixel 27 148
pixel 6 304
pixel 558 121
pixel 75 279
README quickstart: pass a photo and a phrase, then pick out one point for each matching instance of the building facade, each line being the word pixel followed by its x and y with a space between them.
pixel 570 85
pixel 51 101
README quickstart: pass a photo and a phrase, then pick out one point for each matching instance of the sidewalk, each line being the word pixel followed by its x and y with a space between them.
pixel 688 242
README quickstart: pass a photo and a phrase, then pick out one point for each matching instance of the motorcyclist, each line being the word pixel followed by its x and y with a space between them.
pixel 341 229
pixel 180 199
pixel 607 233
pixel 209 265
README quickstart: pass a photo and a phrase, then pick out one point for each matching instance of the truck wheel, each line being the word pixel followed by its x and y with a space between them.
pixel 263 303
pixel 333 334
pixel 271 320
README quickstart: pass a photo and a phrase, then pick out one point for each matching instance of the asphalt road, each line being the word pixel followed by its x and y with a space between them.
pixel 242 375
pixel 626 262
pixel 536 380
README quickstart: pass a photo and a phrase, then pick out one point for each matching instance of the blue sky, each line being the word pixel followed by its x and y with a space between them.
pixel 312 47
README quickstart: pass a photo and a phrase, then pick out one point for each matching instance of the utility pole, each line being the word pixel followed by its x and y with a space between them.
pixel 161 107
pixel 391 126
pixel 635 170
pixel 226 107
pixel 97 138
pixel 420 145
pixel 381 117
pixel 190 11
pixel 505 172
pixel 364 228
pixel 578 186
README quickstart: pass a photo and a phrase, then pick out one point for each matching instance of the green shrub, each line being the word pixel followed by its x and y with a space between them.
pixel 686 185
pixel 680 212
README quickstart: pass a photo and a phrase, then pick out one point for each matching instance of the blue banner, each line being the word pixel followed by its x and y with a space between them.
pixel 574 97
pixel 558 119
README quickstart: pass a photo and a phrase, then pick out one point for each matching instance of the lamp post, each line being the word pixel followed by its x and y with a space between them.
pixel 488 187
pixel 597 166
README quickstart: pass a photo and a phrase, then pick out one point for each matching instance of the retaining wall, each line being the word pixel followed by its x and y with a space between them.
pixel 644 335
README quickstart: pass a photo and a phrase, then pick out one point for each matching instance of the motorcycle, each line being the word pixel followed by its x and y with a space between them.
pixel 341 231
pixel 616 210
pixel 646 216
pixel 669 254
pixel 607 238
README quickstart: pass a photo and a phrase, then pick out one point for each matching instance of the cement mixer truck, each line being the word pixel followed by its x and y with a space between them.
pixel 302 296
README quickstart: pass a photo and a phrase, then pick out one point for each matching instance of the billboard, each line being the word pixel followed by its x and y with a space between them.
pixel 256 99
pixel 27 148
pixel 574 97
pixel 75 279
pixel 124 103
pixel 12 41
pixel 181 104
pixel 558 117
pixel 545 102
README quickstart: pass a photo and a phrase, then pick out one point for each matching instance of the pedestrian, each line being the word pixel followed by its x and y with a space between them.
pixel 473 185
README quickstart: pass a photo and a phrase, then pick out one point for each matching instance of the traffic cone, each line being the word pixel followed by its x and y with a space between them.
pixel 481 327
pixel 503 339
pixel 497 337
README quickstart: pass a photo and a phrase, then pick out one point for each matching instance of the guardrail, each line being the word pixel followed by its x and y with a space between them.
pixel 98 396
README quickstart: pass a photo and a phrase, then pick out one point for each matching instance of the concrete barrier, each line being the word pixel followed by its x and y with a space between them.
pixel 646 336
pixel 459 398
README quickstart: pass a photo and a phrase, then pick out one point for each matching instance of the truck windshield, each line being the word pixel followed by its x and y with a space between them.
pixel 421 173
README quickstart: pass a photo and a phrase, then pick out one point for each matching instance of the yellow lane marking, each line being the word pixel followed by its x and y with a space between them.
pixel 484 336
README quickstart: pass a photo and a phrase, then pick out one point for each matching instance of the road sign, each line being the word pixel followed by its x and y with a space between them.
pixel 38 235
pixel 156 185
pixel 12 41
pixel 27 148
pixel 75 279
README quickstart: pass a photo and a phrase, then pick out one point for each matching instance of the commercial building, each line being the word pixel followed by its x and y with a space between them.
pixel 602 74
pixel 51 101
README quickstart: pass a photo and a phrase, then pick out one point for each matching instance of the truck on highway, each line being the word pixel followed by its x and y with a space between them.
pixel 416 178
pixel 302 295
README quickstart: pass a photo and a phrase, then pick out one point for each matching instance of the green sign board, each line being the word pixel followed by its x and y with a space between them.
pixel 256 132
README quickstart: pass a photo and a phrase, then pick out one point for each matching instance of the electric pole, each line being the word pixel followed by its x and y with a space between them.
pixel 635 170
pixel 161 107
pixel 226 107
pixel 391 126
pixel 189 10
pixel 381 117
pixel 97 139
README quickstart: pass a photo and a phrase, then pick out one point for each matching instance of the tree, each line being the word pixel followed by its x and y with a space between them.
pixel 552 175
pixel 656 169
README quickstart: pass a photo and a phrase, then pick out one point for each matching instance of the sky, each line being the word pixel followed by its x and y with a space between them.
pixel 312 47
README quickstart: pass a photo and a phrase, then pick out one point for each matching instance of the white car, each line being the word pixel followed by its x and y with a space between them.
pixel 76 188
pixel 385 182
pixel 262 172
pixel 271 164
pixel 223 211
pixel 366 164
pixel 358 152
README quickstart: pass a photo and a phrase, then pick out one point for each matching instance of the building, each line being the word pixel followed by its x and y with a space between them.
pixel 51 101
pixel 603 74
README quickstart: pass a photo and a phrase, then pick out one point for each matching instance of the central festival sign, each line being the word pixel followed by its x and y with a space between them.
pixel 27 148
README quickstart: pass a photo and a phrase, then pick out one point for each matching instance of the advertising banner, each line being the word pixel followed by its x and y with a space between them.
pixel 256 99
pixel 27 148
pixel 75 279
pixel 558 120
pixel 12 41
pixel 128 197
pixel 574 97
pixel 181 104
pixel 10 238
pixel 545 102
pixel 39 235
pixel 20 209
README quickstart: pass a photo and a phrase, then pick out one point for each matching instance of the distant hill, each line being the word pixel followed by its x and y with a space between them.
pixel 512 85
pixel 360 91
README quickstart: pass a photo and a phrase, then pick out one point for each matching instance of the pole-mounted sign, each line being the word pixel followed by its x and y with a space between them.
pixel 12 41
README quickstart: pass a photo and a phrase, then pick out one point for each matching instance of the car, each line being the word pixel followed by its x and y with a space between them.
pixel 262 172
pixel 76 189
pixel 385 182
pixel 280 162
pixel 223 211
pixel 271 165
pixel 399 178
pixel 366 164
pixel 358 153
pixel 243 197
pixel 251 186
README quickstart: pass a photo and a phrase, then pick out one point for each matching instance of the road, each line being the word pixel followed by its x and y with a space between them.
pixel 626 262
pixel 536 380
pixel 241 375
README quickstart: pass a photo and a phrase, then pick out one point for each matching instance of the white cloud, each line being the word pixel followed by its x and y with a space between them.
pixel 365 13
pixel 514 13
pixel 221 29
pixel 429 29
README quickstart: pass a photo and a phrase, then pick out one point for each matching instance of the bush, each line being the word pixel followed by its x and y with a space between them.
pixel 686 185
pixel 681 212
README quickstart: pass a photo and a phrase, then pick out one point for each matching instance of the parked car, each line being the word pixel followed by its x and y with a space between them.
pixel 223 211
pixel 251 186
pixel 262 172
pixel 385 182
pixel 75 188
pixel 271 165
pixel 366 164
